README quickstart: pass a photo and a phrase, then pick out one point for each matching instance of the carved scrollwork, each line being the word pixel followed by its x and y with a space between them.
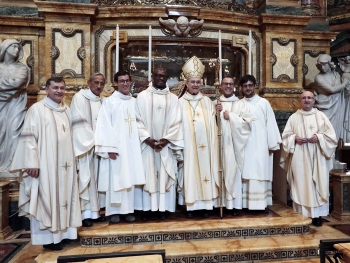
pixel 81 53
pixel 54 52
pixel 283 78
pixel 283 41
pixel 285 60
pixel 78 44
pixel 305 69
pixel 294 60
pixel 273 59
pixel 68 30
pixel 281 91
pixel 233 6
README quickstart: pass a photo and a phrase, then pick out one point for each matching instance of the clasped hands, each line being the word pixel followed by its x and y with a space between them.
pixel 218 107
pixel 32 172
pixel 157 145
pixel 300 140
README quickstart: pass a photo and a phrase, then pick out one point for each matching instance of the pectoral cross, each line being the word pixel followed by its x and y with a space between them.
pixel 129 120
pixel 65 205
pixel 66 166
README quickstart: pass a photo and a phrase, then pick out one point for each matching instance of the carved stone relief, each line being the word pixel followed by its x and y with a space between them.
pixel 68 53
pixel 284 60
pixel 182 27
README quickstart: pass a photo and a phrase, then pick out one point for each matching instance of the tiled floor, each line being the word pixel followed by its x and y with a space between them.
pixel 192 249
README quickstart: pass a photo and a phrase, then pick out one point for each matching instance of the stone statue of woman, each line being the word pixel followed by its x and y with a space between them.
pixel 329 93
pixel 14 79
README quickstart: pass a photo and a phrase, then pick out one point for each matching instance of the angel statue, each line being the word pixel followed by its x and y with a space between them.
pixel 181 27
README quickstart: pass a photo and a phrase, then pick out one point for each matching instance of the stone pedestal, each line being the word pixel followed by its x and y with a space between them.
pixel 5 230
pixel 341 195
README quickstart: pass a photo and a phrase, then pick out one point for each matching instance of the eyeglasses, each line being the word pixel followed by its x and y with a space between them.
pixel 307 97
pixel 195 82
pixel 159 76
pixel 248 85
pixel 122 81
pixel 227 83
pixel 59 88
pixel 99 83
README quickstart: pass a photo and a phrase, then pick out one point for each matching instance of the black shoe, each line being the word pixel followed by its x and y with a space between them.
pixel 317 221
pixel 190 214
pixel 205 214
pixel 144 216
pixel 66 241
pixel 162 216
pixel 266 210
pixel 236 212
pixel 115 219
pixel 100 219
pixel 52 246
pixel 87 222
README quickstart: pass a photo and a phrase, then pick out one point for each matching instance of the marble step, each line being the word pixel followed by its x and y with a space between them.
pixel 291 248
pixel 280 221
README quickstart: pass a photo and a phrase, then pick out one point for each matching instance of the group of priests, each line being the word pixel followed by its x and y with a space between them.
pixel 125 154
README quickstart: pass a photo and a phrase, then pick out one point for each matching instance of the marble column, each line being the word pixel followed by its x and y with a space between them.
pixel 5 229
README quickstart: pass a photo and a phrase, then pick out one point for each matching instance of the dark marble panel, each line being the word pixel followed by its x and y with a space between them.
pixel 282 118
pixel 318 26
pixel 280 10
pixel 18 11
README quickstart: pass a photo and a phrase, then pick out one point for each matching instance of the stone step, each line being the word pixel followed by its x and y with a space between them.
pixel 266 249
pixel 281 221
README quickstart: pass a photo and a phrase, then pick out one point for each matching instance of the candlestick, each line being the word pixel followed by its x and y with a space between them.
pixel 117 49
pixel 149 53
pixel 220 57
pixel 250 53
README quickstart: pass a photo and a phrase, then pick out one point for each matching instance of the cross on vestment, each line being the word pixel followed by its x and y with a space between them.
pixel 202 146
pixel 129 120
pixel 311 127
pixel 159 107
pixel 66 166
pixel 206 180
pixel 65 205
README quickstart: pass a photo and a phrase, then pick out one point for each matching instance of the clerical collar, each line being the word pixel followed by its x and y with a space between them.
pixel 122 96
pixel 90 93
pixel 232 98
pixel 250 99
pixel 52 103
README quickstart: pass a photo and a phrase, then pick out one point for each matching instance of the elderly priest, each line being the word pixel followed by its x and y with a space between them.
pixel 200 184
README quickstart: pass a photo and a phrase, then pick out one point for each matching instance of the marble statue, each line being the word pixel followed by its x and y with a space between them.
pixel 14 78
pixel 344 64
pixel 329 93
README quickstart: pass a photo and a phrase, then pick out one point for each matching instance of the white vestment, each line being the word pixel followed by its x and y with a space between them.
pixel 257 172
pixel 158 116
pixel 308 165
pixel 52 199
pixel 200 183
pixel 116 132
pixel 85 107
pixel 234 135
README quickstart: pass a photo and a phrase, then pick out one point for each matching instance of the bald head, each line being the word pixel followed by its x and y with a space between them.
pixel 307 100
